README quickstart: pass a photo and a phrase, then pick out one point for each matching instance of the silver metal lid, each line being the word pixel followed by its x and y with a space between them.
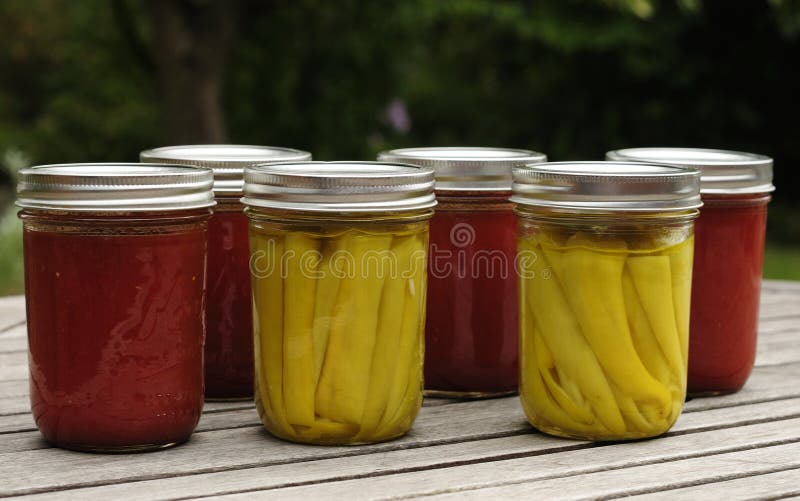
pixel 723 172
pixel 227 160
pixel 607 186
pixel 339 187
pixel 115 187
pixel 467 168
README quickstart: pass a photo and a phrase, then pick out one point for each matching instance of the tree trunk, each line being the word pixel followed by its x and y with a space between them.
pixel 192 41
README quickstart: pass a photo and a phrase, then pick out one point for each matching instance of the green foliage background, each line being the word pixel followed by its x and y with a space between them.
pixel 571 78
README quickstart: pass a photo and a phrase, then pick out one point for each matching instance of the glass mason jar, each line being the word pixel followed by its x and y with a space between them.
pixel 471 331
pixel 605 264
pixel 229 317
pixel 338 262
pixel 114 290
pixel 728 260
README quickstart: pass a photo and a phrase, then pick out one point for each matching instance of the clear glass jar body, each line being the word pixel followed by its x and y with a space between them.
pixel 115 307
pixel 339 313
pixel 229 321
pixel 729 254
pixel 471 331
pixel 604 321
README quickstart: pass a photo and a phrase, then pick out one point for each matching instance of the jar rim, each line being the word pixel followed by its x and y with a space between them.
pixel 467 168
pixel 339 187
pixel 607 186
pixel 722 171
pixel 226 160
pixel 115 187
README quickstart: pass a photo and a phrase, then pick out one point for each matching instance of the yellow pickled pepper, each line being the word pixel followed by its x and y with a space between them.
pixel 681 257
pixel 268 324
pixel 404 391
pixel 331 269
pixel 553 384
pixel 298 319
pixel 342 389
pixel 653 281
pixel 644 340
pixel 593 282
pixel 561 332
pixel 340 340
pixel 390 317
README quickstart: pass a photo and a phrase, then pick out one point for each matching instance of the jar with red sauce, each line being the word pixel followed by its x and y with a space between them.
pixel 728 258
pixel 229 319
pixel 114 290
pixel 471 332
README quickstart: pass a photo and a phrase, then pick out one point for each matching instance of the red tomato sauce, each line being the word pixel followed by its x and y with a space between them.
pixel 726 285
pixel 229 340
pixel 115 332
pixel 471 331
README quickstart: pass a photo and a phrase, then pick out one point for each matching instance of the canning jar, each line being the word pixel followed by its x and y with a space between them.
pixel 114 291
pixel 471 332
pixel 729 254
pixel 338 263
pixel 605 264
pixel 229 317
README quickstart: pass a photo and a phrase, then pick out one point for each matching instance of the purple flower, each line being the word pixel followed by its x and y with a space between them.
pixel 397 116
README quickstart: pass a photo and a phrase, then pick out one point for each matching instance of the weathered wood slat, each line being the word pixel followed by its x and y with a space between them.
pixel 768 342
pixel 724 425
pixel 14 345
pixel 15 340
pixel 779 305
pixel 573 474
pixel 14 358
pixel 14 330
pixel 10 406
pixel 13 388
pixel 765 384
pixel 13 372
pixel 769 326
pixel 777 301
pixel 772 485
pixel 12 312
pixel 16 423
pixel 780 286
pixel 618 483
pixel 779 352
pixel 779 347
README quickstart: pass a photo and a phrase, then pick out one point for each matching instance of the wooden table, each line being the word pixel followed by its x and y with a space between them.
pixel 738 446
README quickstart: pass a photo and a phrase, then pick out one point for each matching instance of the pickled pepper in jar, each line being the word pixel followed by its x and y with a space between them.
pixel 605 263
pixel 338 263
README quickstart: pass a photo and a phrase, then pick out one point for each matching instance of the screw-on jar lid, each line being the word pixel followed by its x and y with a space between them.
pixel 467 168
pixel 723 172
pixel 339 187
pixel 607 186
pixel 227 160
pixel 115 187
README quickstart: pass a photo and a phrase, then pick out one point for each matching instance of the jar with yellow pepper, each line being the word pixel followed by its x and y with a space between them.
pixel 605 263
pixel 338 267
